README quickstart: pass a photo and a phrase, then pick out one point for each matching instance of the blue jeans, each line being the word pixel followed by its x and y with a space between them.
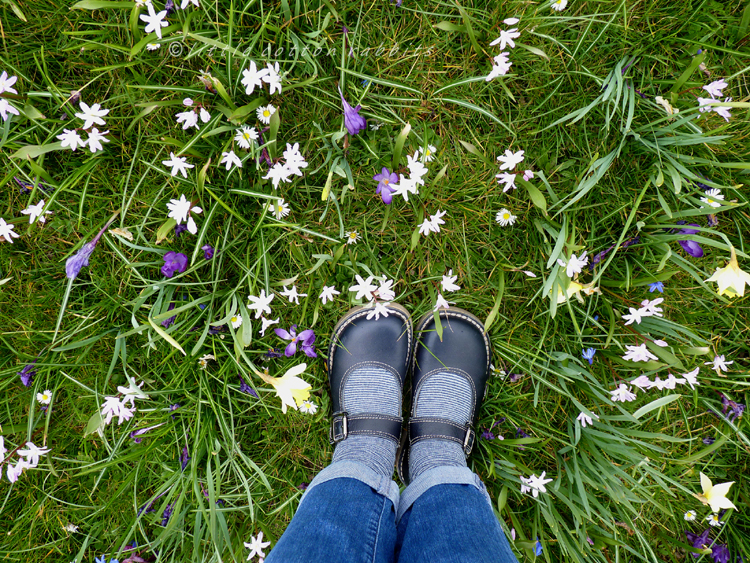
pixel 351 515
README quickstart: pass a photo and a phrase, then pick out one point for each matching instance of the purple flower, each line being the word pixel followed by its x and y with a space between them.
pixel 690 246
pixel 538 547
pixel 588 354
pixel 521 433
pixel 245 388
pixel 273 353
pixel 174 408
pixel 303 486
pixel 179 229
pixel 306 339
pixel 166 323
pixel 708 440
pixel 184 458
pixel 167 514
pixel 713 220
pixel 735 409
pixel 80 259
pixel 135 433
pixel 169 7
pixel 208 251
pixel 514 377
pixel 656 286
pixel 720 553
pixel 173 262
pixel 487 435
pixel 698 541
pixel 384 180
pixel 353 121
pixel 28 372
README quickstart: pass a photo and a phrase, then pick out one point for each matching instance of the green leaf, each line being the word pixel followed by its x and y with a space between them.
pixel 101 5
pixel 33 151
pixel 653 405
pixel 161 332
pixel 480 110
pixel 247 109
pixel 93 424
pixel 16 9
pixel 537 198
pixel 165 229
pixel 533 50
pixel 400 140
pixel 498 301
pixel 448 26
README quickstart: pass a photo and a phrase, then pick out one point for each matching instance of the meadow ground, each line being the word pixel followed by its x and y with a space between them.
pixel 605 100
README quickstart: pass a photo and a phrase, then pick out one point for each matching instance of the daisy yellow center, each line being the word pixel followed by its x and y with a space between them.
pixel 234 319
pixel 45 397
pixel 428 152
pixel 246 136
pixel 266 113
pixel 506 216
pixel 279 209
pixel 352 236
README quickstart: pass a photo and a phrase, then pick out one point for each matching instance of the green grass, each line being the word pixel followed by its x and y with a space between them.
pixel 604 177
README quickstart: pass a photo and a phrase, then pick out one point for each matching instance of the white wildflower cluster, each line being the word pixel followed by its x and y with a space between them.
pixel 501 63
pixel 6 85
pixel 181 210
pixel 291 165
pixel 625 393
pixel 447 285
pixel 716 90
pixel 29 459
pixel 122 408
pixel 534 484
pixel 647 309
pixel 432 225
pixel 509 162
pixel 253 77
pixel 377 295
pixel 190 117
pixel 417 173
pixel 558 5
pixel 569 285
pixel 91 115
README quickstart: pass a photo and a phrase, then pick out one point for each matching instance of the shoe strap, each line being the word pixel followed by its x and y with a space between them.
pixel 344 425
pixel 423 428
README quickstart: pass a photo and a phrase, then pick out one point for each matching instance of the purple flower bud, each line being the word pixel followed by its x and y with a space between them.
pixel 174 262
pixel 245 388
pixel 690 246
pixel 167 514
pixel 179 229
pixel 80 259
pixel 27 373
pixel 208 251
pixel 352 120
pixel 166 323
pixel 184 458
pixel 169 7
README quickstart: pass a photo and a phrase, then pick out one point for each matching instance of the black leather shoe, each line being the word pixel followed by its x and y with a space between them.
pixel 465 350
pixel 356 341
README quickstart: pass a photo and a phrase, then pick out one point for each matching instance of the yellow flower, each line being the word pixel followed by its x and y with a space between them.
pixel 730 278
pixel 715 495
pixel 289 388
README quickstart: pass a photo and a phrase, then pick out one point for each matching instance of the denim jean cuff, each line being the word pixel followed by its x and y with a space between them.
pixel 381 485
pixel 446 475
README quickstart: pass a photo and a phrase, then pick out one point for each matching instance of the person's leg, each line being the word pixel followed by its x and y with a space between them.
pixel 445 514
pixel 348 512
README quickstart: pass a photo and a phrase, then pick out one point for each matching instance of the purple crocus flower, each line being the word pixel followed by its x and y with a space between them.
pixel 166 323
pixel 273 353
pixel 80 259
pixel 208 251
pixel 184 458
pixel 487 435
pixel 245 388
pixel 174 262
pixel 167 514
pixel 735 409
pixel 135 433
pixel 708 440
pixel 179 229
pixel 169 7
pixel 720 553
pixel 27 373
pixel 353 121
pixel 690 246
pixel 698 541
pixel 306 340
pixel 384 180
pixel 521 433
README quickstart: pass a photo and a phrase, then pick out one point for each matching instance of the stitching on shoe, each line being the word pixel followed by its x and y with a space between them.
pixel 401 314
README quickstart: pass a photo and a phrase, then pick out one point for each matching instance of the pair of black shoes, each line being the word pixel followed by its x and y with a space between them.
pixel 389 343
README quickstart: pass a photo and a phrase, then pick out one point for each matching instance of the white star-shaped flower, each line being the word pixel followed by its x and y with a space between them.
pixel 511 21
pixel 651 308
pixel 437 220
pixel 95 140
pixel 229 159
pixel 7 231
pixel 508 179
pixel 261 304
pixel 6 108
pixel 278 173
pixel 154 21
pixel 35 211
pixel 691 377
pixel 252 77
pixel 638 354
pixel 719 363
pixel 188 119
pixel 364 288
pixel 265 323
pixel 622 394
pixel 205 116
pixel 378 310
pixel 256 546
pixel 292 294
pixel 186 3
pixel 112 407
pixel 6 83
pixel 384 290
pixel 575 264
pixel 535 484
pixel 327 294
pixel 586 420
pixel 441 303
pixel 132 391
pixel 404 187
pixel 510 159
pixel 178 164
pixel 642 382
pixel 273 78
pixel 635 316
pixel 91 115
pixel 506 38
pixel 32 453
pixel 181 209
pixel 715 88
pixel 425 228
pixel 500 66
pixel 71 138
pixel 449 282
pixel 14 471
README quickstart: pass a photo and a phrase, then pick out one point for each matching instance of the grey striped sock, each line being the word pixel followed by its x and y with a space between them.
pixel 442 395
pixel 370 389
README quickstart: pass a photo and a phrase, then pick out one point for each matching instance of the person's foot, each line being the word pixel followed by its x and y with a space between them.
pixel 448 380
pixel 367 364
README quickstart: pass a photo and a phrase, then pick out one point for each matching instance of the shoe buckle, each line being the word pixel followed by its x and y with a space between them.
pixel 469 439
pixel 339 427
